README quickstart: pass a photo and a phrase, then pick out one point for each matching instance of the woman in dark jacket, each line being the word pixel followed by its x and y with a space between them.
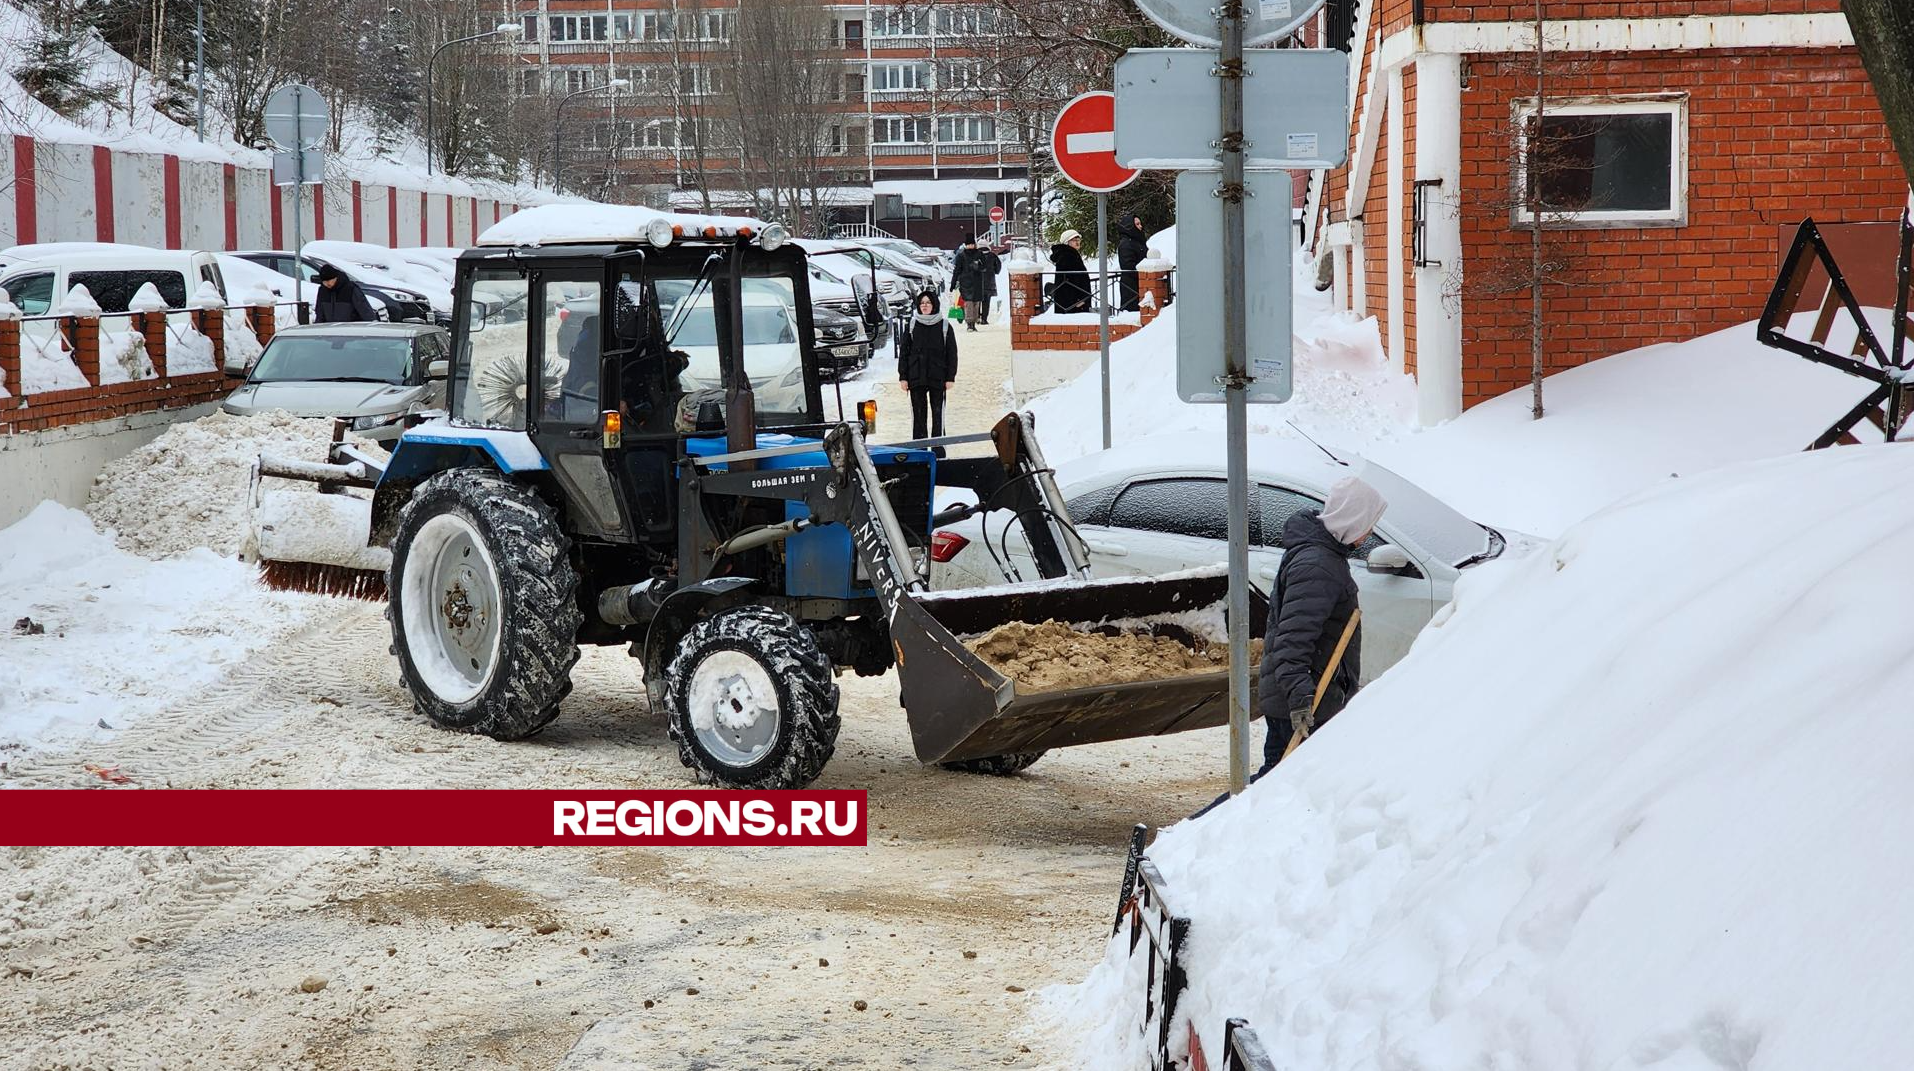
pixel 970 270
pixel 1132 247
pixel 1310 606
pixel 927 366
pixel 1071 291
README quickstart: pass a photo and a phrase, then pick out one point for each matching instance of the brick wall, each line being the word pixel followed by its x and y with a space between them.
pixel 1773 136
pixel 1524 10
pixel 1026 294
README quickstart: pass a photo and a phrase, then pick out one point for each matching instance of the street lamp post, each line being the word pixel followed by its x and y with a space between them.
pixel 508 30
pixel 558 114
pixel 199 69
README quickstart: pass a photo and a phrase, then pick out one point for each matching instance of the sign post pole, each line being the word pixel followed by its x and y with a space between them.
pixel 1235 386
pixel 1103 307
pixel 1083 142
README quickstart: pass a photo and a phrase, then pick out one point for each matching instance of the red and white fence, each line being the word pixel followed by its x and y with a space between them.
pixel 63 192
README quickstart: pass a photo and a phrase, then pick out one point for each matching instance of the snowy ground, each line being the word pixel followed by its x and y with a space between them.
pixel 1634 803
pixel 150 957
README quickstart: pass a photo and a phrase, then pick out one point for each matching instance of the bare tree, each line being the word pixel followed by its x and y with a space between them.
pixel 1884 31
pixel 781 93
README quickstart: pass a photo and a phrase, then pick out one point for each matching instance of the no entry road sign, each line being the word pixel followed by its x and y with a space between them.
pixel 996 213
pixel 1083 142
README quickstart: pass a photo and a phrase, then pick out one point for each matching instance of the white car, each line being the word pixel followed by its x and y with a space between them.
pixel 773 360
pixel 113 274
pixel 1160 506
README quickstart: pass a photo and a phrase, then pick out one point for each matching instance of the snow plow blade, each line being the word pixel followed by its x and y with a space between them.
pixel 317 543
pixel 961 707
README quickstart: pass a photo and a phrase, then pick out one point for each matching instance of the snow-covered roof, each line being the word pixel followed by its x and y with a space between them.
pixel 947 191
pixel 568 224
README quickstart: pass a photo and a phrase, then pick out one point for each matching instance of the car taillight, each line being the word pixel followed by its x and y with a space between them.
pixel 945 545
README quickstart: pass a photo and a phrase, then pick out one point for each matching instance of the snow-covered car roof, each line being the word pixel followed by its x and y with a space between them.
pixel 608 224
pixel 371 328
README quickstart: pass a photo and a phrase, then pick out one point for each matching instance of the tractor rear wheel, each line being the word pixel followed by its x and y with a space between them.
pixel 752 701
pixel 997 765
pixel 484 605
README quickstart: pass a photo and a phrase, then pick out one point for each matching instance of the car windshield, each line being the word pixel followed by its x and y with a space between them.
pixel 334 358
pixel 1440 530
pixel 764 325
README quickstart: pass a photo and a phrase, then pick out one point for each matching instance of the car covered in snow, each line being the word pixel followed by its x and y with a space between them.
pixel 1160 506
pixel 375 374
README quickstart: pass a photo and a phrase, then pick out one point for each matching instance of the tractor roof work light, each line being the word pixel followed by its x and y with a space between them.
pixel 773 236
pixel 659 232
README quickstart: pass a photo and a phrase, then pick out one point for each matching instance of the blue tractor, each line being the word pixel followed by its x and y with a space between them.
pixel 636 452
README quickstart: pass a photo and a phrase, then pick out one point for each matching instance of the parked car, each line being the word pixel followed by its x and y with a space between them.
pixel 843 348
pixel 393 299
pixel 1160 505
pixel 111 273
pixel 921 276
pixel 375 373
pixel 773 359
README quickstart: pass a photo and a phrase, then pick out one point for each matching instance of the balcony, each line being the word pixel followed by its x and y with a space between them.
pixel 884 42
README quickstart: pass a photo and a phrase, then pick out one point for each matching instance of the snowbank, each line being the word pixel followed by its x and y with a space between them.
pixel 1618 425
pixel 1635 802
pixel 187 488
pixel 96 638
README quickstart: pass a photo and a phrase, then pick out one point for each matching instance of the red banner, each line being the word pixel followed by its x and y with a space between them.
pixel 428 817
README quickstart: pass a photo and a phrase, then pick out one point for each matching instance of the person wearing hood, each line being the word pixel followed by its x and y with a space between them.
pixel 1071 291
pixel 927 366
pixel 1132 247
pixel 970 271
pixel 340 301
pixel 1312 654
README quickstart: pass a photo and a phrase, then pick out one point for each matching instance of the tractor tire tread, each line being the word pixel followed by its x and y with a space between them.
pixel 804 676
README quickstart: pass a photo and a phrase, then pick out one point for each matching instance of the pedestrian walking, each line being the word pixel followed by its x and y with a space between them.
pixel 927 366
pixel 1132 246
pixel 970 269
pixel 1071 290
pixel 1312 654
pixel 340 301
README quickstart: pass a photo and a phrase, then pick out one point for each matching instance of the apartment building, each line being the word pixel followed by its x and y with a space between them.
pixel 917 141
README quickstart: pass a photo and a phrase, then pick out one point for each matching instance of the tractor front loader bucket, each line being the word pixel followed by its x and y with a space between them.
pixel 960 707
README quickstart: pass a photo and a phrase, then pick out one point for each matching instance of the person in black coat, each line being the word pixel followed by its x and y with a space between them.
pixel 1071 291
pixel 340 301
pixel 970 271
pixel 927 366
pixel 992 264
pixel 1310 605
pixel 1132 247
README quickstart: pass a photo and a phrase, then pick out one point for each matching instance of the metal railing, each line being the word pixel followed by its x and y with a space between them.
pixel 1243 1050
pixel 1105 286
pixel 859 230
pixel 1163 935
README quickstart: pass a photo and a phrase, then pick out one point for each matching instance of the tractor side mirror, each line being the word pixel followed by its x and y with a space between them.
pixel 475 317
pixel 438 369
pixel 630 324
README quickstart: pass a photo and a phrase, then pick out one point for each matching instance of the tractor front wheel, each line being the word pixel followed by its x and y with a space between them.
pixel 484 605
pixel 752 701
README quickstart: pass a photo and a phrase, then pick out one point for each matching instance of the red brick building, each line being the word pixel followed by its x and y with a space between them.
pixel 1700 127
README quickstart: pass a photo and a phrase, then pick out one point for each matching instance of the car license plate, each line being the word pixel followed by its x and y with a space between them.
pixel 846 351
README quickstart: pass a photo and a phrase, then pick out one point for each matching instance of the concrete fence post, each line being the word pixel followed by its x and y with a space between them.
pixel 9 348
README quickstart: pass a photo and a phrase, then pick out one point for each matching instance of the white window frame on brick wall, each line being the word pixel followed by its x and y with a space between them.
pixel 1674 105
pixel 908 76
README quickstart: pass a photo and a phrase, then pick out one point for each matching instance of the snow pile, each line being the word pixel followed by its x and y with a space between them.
pixel 1618 425
pixel 1164 242
pixel 188 487
pixel 1636 801
pixel 598 223
pixel 1344 387
pixel 94 635
pixel 44 364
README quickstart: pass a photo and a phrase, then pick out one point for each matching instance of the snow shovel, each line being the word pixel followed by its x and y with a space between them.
pixel 1322 684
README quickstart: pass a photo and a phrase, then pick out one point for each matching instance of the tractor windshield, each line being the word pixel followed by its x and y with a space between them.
pixel 776 362
pixel 488 374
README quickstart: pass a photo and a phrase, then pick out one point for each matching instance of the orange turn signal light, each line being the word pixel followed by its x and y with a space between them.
pixel 867 415
pixel 612 425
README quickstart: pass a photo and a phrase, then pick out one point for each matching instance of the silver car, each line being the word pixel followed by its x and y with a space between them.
pixel 375 373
